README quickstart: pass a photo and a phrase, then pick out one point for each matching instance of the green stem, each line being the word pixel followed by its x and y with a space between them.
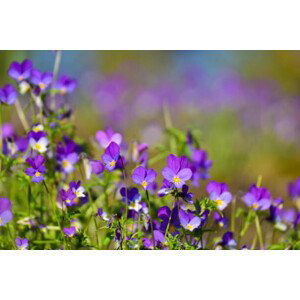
pixel 259 232
pixel 151 221
pixel 21 115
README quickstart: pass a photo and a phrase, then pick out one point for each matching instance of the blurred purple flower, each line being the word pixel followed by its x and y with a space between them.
pixel 20 71
pixel 22 244
pixel 65 85
pixel 258 198
pixel 8 94
pixel 5 211
pixel 104 138
pixel 69 232
pixel 40 79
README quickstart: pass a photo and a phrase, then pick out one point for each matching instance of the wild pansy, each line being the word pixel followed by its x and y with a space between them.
pixel 8 94
pixel 102 214
pixel 140 154
pixel 68 197
pixel 218 192
pixel 222 221
pixel 106 137
pixel 65 85
pixel 97 166
pixel 177 170
pixel 38 141
pixel 40 79
pixel 12 143
pixel 200 165
pixel 258 198
pixel 228 242
pixel 169 217
pixel 79 191
pixel 159 240
pixel 70 232
pixel 294 189
pixel 22 244
pixel 143 176
pixel 20 71
pixel 5 211
pixel 186 195
pixel 37 168
pixel 132 195
pixel 67 155
pixel 188 220
pixel 111 156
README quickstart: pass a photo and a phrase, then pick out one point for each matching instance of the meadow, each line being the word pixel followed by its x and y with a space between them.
pixel 139 164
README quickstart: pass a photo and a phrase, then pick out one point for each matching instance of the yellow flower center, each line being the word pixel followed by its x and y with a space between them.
pixel 65 163
pixel 68 201
pixel 37 174
pixel 189 227
pixel 0 221
pixel 112 163
pixel 42 85
pixel 176 179
pixel 219 202
pixel 37 146
pixel 255 205
pixel 20 78
pixel 144 184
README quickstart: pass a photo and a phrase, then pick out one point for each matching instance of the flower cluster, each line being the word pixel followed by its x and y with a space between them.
pixel 103 193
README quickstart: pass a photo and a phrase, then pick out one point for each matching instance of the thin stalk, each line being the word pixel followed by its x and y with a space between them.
pixel 233 207
pixel 55 72
pixel 21 115
pixel 151 221
pixel 259 232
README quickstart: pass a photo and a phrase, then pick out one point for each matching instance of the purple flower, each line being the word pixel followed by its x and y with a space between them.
pixel 42 80
pixel 8 130
pixel 105 138
pixel 5 211
pixel 200 166
pixel 22 244
pixel 77 189
pixel 143 176
pixel 65 85
pixel 8 94
pixel 102 214
pixel 111 156
pixel 177 170
pixel 97 166
pixel 186 195
pixel 188 220
pixel 67 155
pixel 221 221
pixel 228 240
pixel 258 198
pixel 68 197
pixel 166 188
pixel 140 154
pixel 218 192
pixel 294 189
pixel 37 168
pixel 20 71
pixel 131 194
pixel 168 216
pixel 69 232
pixel 159 239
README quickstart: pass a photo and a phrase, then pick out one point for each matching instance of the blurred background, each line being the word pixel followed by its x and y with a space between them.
pixel 246 104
